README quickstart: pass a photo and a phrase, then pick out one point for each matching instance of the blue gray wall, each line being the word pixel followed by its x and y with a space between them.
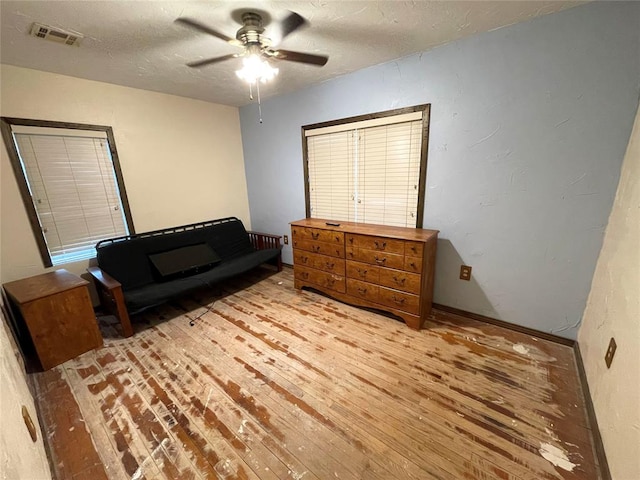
pixel 529 126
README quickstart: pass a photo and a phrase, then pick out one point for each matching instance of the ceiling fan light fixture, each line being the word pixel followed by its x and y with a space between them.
pixel 255 69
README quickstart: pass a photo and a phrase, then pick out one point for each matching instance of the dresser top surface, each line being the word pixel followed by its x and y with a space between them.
pixel 404 233
pixel 32 288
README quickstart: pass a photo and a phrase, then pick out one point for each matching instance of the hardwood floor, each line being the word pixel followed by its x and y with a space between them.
pixel 272 383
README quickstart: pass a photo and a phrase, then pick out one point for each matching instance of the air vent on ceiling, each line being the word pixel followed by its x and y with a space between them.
pixel 55 34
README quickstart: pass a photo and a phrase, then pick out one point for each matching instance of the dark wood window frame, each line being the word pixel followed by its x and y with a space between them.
pixel 5 125
pixel 426 112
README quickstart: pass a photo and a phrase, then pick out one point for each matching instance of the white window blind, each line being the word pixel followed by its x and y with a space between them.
pixel 73 187
pixel 367 174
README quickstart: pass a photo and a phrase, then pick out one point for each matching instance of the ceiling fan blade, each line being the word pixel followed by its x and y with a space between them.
pixel 301 57
pixel 209 61
pixel 289 24
pixel 203 28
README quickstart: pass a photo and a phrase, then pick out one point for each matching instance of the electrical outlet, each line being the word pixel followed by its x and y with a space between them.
pixel 465 272
pixel 611 351
pixel 286 239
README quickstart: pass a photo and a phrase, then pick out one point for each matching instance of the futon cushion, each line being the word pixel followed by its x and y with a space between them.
pixel 154 294
pixel 127 260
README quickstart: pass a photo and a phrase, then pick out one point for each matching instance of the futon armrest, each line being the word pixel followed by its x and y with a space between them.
pixel 106 280
pixel 261 241
pixel 112 298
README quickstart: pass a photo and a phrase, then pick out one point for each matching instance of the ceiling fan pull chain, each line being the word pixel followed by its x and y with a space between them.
pixel 250 92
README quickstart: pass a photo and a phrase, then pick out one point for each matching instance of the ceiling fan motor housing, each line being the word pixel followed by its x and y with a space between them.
pixel 251 30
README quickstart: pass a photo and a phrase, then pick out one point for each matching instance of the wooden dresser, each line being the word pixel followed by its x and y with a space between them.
pixel 387 268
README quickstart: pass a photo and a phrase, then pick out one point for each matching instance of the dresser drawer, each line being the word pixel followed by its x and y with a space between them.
pixel 400 280
pixel 317 234
pixel 414 249
pixel 413 264
pixel 382 259
pixel 322 279
pixel 378 244
pixel 402 301
pixel 362 290
pixel 321 262
pixel 363 271
pixel 323 248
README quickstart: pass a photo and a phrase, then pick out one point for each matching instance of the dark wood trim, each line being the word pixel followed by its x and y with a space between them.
pixel 367 116
pixel 7 135
pixel 424 147
pixel 511 326
pixel 120 179
pixel 14 158
pixel 305 167
pixel 601 455
pixel 29 122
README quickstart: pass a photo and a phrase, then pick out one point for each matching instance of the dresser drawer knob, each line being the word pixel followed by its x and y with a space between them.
pixel 362 291
pixel 398 301
pixel 350 239
pixel 315 236
pixel 380 261
pixel 337 238
pixel 331 281
pixel 315 248
pixel 305 275
pixel 362 273
pixel 414 249
pixel 399 281
pixel 305 259
pixel 329 265
pixel 380 246
pixel 337 252
pixel 413 265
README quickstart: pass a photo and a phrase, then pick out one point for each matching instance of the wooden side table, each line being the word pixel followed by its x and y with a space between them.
pixel 58 314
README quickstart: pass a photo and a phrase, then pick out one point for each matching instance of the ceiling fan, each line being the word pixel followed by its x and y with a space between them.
pixel 251 37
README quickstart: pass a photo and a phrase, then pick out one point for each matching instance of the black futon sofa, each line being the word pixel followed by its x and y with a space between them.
pixel 140 271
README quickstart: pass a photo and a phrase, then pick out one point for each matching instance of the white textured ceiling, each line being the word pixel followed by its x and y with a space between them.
pixel 137 43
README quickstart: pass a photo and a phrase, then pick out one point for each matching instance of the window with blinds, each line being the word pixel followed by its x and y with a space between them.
pixel 368 170
pixel 73 189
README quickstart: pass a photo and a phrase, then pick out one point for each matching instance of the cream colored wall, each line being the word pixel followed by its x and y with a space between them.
pixel 181 158
pixel 20 457
pixel 613 310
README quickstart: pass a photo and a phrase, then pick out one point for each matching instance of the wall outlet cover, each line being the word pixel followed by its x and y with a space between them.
pixel 611 351
pixel 465 272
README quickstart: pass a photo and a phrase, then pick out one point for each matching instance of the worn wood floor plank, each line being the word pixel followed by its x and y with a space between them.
pixel 504 423
pixel 262 381
pixel 374 394
pixel 228 416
